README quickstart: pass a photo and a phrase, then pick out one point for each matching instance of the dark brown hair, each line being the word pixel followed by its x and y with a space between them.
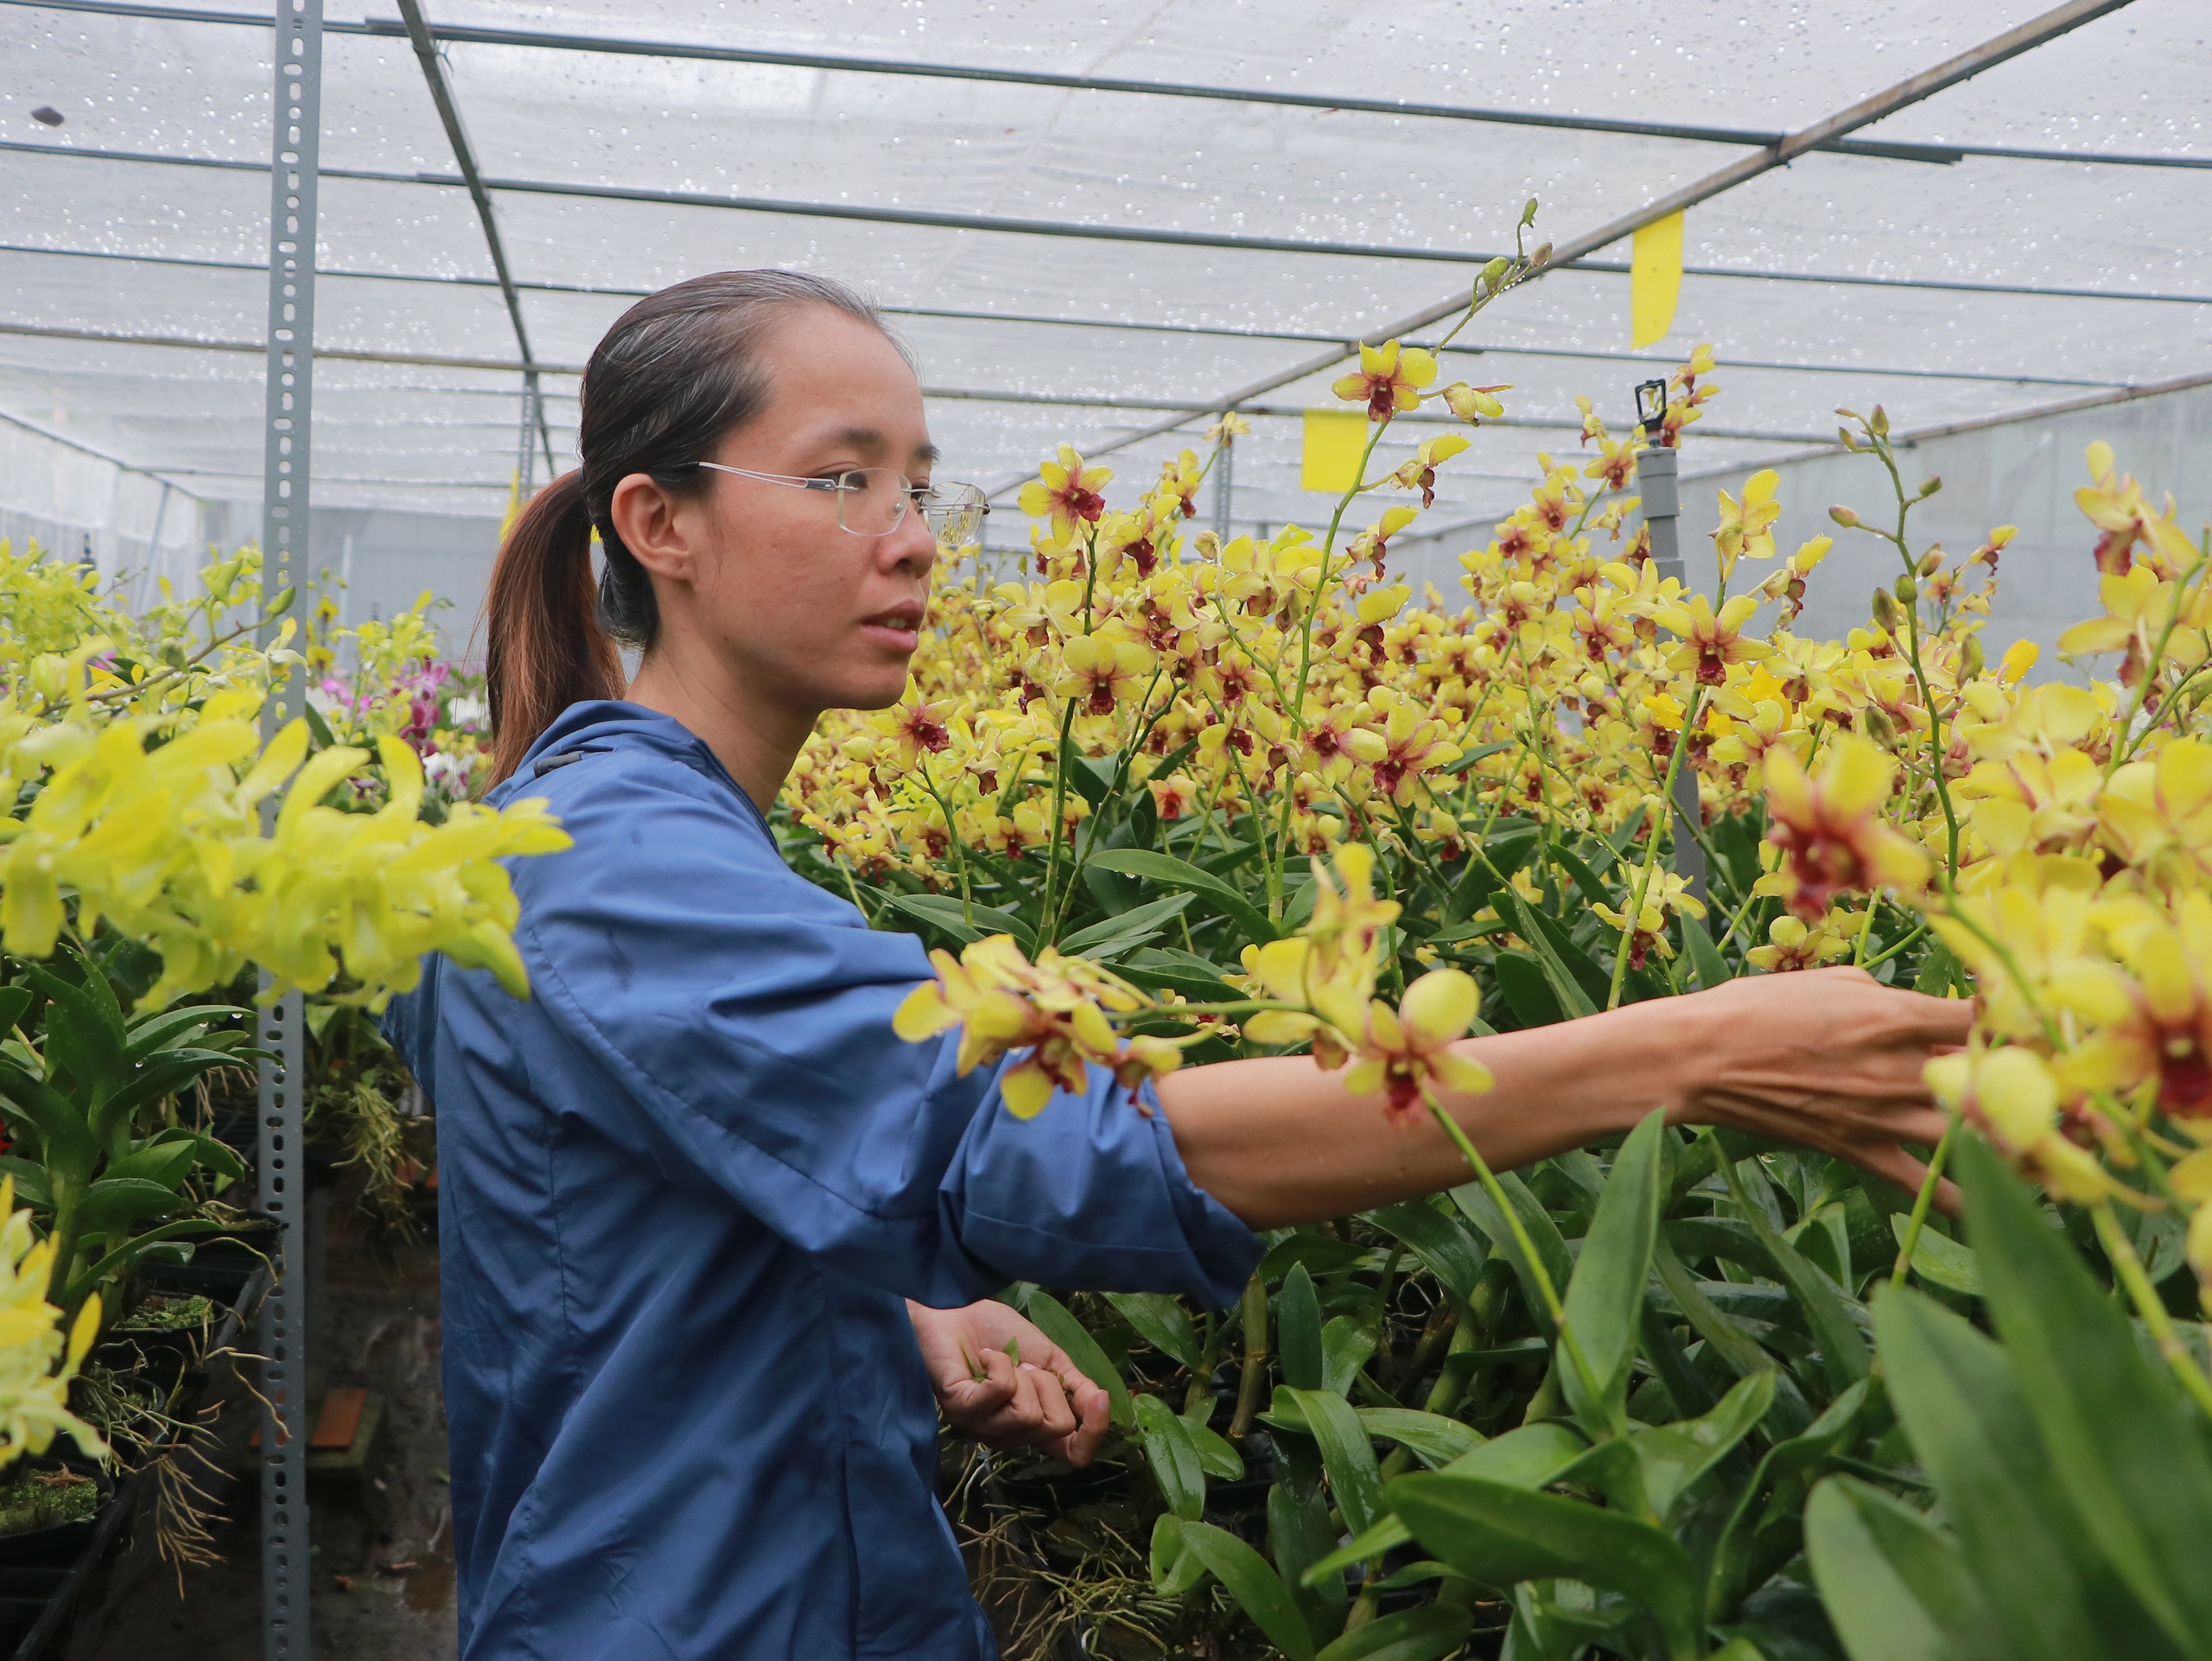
pixel 674 375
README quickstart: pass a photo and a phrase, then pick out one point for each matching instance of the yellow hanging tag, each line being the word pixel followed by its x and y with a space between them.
pixel 1335 440
pixel 1655 280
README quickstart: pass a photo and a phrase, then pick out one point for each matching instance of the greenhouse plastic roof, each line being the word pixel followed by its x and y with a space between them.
pixel 1951 284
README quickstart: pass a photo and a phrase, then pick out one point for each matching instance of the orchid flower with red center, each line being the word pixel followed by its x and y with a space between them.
pixel 1830 828
pixel 1389 379
pixel 1712 641
pixel 1406 1054
pixel 1067 492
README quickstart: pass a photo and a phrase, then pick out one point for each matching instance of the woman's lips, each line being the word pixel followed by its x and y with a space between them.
pixel 899 629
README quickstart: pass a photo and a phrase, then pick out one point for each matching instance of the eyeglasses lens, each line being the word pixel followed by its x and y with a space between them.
pixel 873 501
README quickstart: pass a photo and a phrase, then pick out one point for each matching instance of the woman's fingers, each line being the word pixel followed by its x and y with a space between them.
pixel 1095 1408
pixel 1046 1413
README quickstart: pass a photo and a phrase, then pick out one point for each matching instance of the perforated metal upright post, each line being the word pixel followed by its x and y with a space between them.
pixel 294 151
pixel 526 457
pixel 1656 481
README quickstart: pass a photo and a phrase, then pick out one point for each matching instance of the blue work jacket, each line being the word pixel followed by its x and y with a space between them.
pixel 683 1191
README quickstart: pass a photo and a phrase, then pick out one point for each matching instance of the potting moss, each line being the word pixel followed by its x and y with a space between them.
pixel 40 1499
pixel 160 1314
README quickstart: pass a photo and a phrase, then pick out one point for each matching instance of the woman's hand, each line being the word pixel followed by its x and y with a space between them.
pixel 1042 1400
pixel 1829 1058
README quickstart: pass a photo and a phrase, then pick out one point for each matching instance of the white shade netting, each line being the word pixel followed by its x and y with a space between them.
pixel 1953 291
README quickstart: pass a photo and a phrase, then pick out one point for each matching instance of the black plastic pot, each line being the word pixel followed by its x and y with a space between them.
pixel 46 1574
pixel 58 1543
pixel 1055 1493
pixel 220 1266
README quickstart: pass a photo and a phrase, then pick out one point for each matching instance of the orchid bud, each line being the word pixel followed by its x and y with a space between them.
pixel 1846 517
pixel 1540 258
pixel 1970 658
pixel 1879 728
pixel 1930 485
pixel 1907 590
pixel 1886 614
pixel 1878 424
pixel 1932 561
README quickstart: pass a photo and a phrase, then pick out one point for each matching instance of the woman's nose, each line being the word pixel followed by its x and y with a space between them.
pixel 911 542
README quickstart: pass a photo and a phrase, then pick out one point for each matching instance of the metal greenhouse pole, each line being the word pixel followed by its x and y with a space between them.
pixel 294 154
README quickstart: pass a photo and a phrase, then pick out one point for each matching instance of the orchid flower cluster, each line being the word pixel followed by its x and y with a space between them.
pixel 38 1360
pixel 1262 730
pixel 131 752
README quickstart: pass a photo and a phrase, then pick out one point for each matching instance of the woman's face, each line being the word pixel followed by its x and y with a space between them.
pixel 795 611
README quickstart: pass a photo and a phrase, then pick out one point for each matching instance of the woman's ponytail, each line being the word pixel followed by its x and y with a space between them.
pixel 678 370
pixel 543 647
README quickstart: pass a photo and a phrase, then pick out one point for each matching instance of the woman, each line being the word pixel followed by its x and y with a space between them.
pixel 691 1186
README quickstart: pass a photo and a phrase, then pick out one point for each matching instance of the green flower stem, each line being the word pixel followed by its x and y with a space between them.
pixel 2144 1296
pixel 1921 1202
pixel 2150 675
pixel 1737 921
pixel 1866 928
pixel 1496 1190
pixel 1060 801
pixel 1651 861
pixel 1888 952
pixel 1254 1375
pixel 959 851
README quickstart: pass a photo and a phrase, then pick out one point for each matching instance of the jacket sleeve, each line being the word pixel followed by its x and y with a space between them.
pixel 746 1017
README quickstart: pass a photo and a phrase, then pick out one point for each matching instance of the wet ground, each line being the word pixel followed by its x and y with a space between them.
pixel 382 1567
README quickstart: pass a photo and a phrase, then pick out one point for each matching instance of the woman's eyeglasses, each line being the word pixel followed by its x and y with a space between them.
pixel 873 501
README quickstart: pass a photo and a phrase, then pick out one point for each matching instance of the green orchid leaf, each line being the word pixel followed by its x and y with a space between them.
pixel 1526 990
pixel 1533 1456
pixel 1894 1584
pixel 1710 967
pixel 1444 1244
pixel 1298 1331
pixel 1604 1300
pixel 31 1187
pixel 158 1032
pixel 1499 1536
pixel 1301 1532
pixel 1175 1570
pixel 1180 873
pixel 1173 1458
pixel 1938 1261
pixel 2116 1435
pixel 1675 1456
pixel 1346 1455
pixel 1475 1203
pixel 1425 1634
pixel 1843 1348
pixel 1346 1342
pixel 1430 1437
pixel 1259 1591
pixel 1217 1457
pixel 165 1163
pixel 63 1135
pixel 1159 1321
pixel 111 1206
pixel 1962 1400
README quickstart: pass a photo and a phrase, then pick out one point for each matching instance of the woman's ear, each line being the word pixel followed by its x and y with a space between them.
pixel 659 529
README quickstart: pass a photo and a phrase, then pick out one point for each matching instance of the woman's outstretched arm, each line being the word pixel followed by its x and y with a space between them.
pixel 1828 1058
